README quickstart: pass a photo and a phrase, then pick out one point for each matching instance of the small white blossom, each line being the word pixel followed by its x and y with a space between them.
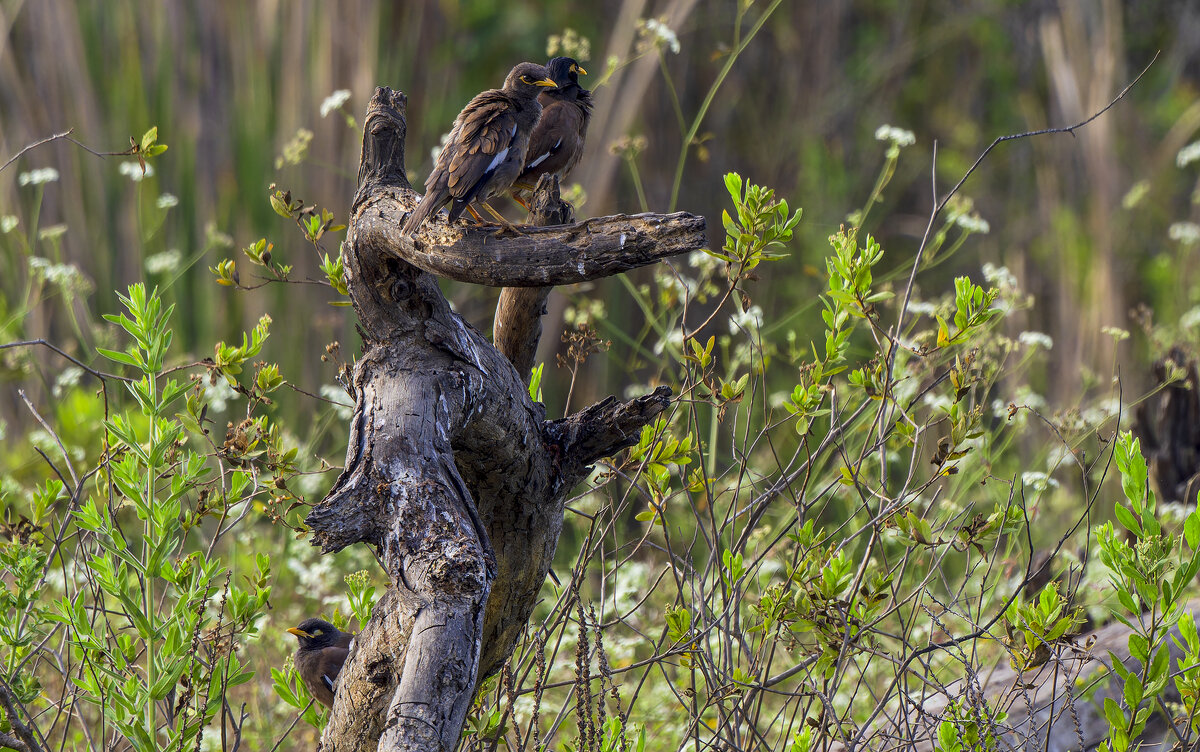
pixel 661 34
pixel 999 276
pixel 1190 319
pixel 65 276
pixel 973 223
pixel 898 136
pixel 1035 339
pixel 337 395
pixel 219 395
pixel 334 101
pixel 938 401
pixel 1038 481
pixel 751 319
pixel 1116 333
pixel 214 237
pixel 8 223
pixel 674 338
pixel 133 171
pixel 168 201
pixel 165 262
pixel 38 176
pixel 67 378
pixel 1187 233
pixel 1188 154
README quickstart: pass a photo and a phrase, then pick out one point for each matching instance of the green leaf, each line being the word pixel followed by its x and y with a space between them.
pixel 148 138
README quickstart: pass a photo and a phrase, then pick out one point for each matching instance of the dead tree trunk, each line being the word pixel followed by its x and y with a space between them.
pixel 452 473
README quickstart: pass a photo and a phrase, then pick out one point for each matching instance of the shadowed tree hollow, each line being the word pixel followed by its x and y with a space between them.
pixel 453 474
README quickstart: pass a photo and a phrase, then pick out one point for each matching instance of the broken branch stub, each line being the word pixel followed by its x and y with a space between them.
pixel 452 473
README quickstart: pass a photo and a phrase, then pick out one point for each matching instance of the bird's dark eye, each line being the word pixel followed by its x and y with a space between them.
pixel 525 79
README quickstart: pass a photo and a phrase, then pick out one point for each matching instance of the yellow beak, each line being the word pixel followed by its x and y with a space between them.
pixel 298 632
pixel 545 82
pixel 579 69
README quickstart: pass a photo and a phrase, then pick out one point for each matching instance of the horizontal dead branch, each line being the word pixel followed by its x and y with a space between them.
pixel 540 256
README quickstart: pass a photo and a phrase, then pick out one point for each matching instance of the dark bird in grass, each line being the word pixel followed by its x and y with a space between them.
pixel 323 650
pixel 557 140
pixel 486 149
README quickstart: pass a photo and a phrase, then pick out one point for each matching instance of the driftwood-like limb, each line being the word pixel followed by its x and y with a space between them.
pixel 518 324
pixel 452 473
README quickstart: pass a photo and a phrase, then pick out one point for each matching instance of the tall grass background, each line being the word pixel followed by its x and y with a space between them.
pixel 1082 221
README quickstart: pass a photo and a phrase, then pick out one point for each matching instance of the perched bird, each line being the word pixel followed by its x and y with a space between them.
pixel 486 148
pixel 323 650
pixel 557 140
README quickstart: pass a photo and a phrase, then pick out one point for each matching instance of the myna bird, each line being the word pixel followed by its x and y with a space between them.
pixel 557 140
pixel 486 149
pixel 323 650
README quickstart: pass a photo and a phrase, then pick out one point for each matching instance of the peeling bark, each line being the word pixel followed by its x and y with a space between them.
pixel 452 473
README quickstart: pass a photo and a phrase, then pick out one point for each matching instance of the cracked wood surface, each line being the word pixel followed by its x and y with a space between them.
pixel 453 475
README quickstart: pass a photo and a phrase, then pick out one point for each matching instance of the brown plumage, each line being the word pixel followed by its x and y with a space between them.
pixel 557 140
pixel 486 148
pixel 323 650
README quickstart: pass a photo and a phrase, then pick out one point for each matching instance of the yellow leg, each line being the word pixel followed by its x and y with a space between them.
pixel 504 223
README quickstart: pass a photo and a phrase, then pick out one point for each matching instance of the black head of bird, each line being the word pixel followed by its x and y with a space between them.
pixel 486 148
pixel 565 71
pixel 557 140
pixel 323 650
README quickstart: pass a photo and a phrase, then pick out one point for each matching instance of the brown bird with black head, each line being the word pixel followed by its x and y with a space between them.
pixel 323 650
pixel 557 140
pixel 486 149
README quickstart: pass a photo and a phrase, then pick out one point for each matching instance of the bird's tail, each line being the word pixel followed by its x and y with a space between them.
pixel 429 205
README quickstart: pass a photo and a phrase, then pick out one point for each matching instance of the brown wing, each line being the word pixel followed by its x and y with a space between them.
pixel 483 134
pixel 555 144
pixel 319 670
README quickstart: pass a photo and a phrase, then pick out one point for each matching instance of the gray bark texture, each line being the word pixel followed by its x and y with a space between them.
pixel 452 473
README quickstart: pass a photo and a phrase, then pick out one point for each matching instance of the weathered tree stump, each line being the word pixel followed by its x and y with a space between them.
pixel 452 473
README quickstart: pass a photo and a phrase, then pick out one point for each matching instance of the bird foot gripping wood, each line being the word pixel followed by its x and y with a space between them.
pixel 453 475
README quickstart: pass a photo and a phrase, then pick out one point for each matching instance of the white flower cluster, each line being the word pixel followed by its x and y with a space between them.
pixel 1035 339
pixel 8 223
pixel 897 136
pixel 334 101
pixel 167 201
pixel 165 262
pixel 1038 481
pixel 65 276
pixel 38 177
pixel 134 171
pixel 999 276
pixel 67 378
pixel 973 223
pixel 1188 154
pixel 1187 233
pixel 749 320
pixel 218 395
pixel 660 34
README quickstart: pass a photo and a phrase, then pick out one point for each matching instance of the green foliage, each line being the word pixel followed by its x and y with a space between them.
pixel 969 729
pixel 1150 580
pixel 153 635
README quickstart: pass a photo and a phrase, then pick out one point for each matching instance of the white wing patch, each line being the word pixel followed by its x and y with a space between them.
pixel 328 682
pixel 537 161
pixel 497 159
